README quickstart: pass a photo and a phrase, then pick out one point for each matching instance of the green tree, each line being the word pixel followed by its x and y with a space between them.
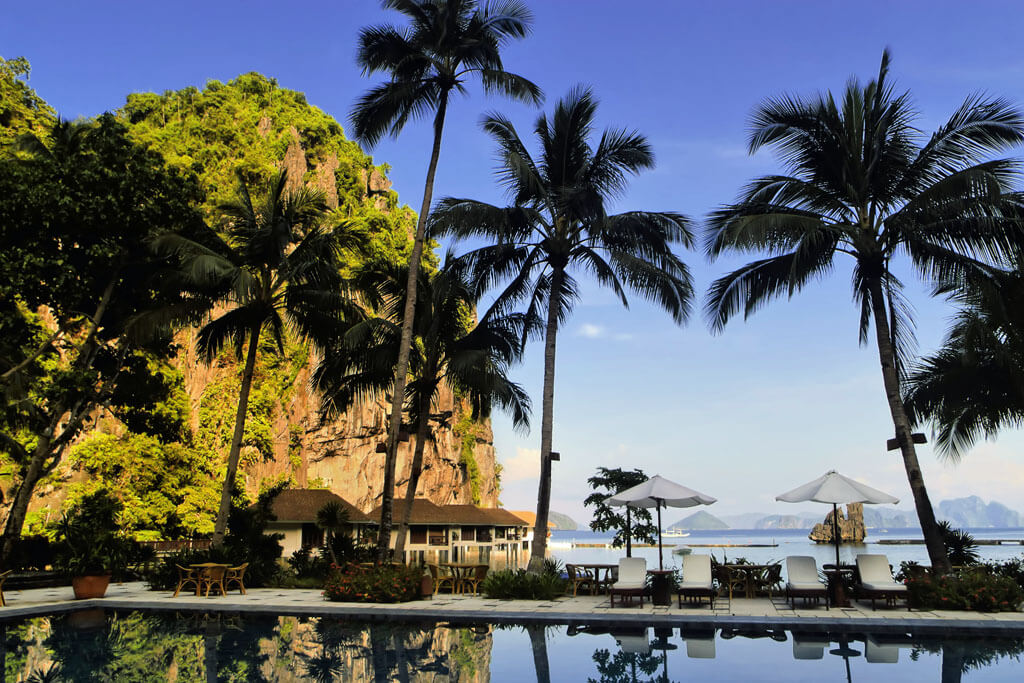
pixel 557 224
pixel 859 183
pixel 446 42
pixel 76 214
pixel 973 386
pixel 332 518
pixel 448 348
pixel 635 523
pixel 277 268
pixel 22 111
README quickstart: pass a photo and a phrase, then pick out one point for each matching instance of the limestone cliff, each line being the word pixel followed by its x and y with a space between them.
pixel 851 526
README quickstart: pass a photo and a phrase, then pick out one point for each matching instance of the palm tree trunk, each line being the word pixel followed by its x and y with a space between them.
pixel 540 529
pixel 236 440
pixel 422 429
pixel 539 645
pixel 887 356
pixel 405 343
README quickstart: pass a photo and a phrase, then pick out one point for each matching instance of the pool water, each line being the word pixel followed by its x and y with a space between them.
pixel 97 645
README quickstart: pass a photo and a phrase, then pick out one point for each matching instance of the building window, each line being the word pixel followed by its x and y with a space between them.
pixel 468 533
pixel 418 534
pixel 312 535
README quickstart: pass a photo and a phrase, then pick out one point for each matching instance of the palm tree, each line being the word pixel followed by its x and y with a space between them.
pixel 471 358
pixel 332 518
pixel 557 224
pixel 974 385
pixel 446 42
pixel 858 183
pixel 278 268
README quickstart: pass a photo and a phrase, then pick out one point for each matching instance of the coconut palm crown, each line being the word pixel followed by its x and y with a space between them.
pixel 861 181
pixel 277 270
pixel 973 386
pixel 558 224
pixel 445 43
pixel 449 348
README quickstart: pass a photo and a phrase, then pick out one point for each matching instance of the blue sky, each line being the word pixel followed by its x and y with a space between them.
pixel 744 415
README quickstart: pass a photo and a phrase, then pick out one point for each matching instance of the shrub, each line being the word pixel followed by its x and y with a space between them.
pixel 307 565
pixel 518 584
pixel 960 545
pixel 974 589
pixel 32 553
pixel 375 583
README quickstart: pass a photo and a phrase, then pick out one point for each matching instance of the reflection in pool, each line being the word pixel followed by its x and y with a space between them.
pixel 134 646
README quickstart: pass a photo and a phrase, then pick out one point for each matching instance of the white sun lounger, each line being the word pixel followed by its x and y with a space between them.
pixel 632 580
pixel 876 580
pixel 803 581
pixel 696 582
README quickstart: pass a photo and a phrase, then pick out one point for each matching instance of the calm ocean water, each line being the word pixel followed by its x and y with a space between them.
pixel 787 542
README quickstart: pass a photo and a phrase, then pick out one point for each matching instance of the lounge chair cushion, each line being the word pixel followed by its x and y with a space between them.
pixel 694 585
pixel 696 571
pixel 805 586
pixel 891 586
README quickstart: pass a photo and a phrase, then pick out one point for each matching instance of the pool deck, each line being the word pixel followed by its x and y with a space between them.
pixel 583 610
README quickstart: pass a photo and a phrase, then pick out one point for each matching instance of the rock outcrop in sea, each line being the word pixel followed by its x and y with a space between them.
pixel 851 526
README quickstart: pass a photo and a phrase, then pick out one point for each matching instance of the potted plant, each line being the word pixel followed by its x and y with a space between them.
pixel 90 545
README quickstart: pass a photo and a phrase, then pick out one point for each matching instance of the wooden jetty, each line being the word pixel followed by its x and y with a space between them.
pixel 977 541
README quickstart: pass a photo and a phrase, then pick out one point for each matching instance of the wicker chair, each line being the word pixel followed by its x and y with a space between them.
pixel 771 579
pixel 442 580
pixel 213 577
pixel 186 577
pixel 473 581
pixel 236 575
pixel 580 577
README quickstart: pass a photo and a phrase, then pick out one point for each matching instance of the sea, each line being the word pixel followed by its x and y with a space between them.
pixel 764 546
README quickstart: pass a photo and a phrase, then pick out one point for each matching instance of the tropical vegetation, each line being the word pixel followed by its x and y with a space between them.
pixel 628 523
pixel 861 181
pixel 450 349
pixel 444 43
pixel 558 224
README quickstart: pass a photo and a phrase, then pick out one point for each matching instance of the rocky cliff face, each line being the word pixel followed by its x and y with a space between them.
pixel 851 526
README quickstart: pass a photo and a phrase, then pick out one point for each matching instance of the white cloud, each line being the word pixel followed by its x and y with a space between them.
pixel 591 331
pixel 524 465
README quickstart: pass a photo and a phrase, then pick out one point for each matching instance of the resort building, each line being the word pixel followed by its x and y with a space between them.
pixel 460 533
pixel 296 511
pixel 438 533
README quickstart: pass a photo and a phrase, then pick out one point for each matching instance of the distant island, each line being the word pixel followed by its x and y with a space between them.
pixel 963 513
pixel 562 522
pixel 699 521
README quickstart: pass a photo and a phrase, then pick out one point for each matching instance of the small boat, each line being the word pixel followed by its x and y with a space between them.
pixel 675 534
pixel 682 550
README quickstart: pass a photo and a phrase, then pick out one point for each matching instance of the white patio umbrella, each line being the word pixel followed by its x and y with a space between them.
pixel 834 488
pixel 658 492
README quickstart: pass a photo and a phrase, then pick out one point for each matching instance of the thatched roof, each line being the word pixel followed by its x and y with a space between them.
pixel 301 505
pixel 426 512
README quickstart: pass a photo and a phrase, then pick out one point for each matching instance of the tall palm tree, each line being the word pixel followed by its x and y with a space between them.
pixel 446 42
pixel 558 223
pixel 859 182
pixel 278 268
pixel 974 385
pixel 471 358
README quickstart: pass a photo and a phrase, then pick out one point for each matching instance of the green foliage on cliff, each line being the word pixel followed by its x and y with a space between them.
pixel 21 109
pixel 245 128
pixel 466 429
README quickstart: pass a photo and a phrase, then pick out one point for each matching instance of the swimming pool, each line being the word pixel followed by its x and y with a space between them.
pixel 98 645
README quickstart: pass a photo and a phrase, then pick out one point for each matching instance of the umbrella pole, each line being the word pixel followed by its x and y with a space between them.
pixel 835 532
pixel 660 565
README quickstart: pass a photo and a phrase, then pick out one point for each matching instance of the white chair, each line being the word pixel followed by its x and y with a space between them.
pixel 876 580
pixel 700 642
pixel 881 653
pixel 803 581
pixel 633 643
pixel 632 580
pixel 809 646
pixel 696 582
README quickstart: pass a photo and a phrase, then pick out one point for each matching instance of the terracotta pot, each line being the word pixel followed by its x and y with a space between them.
pixel 86 587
